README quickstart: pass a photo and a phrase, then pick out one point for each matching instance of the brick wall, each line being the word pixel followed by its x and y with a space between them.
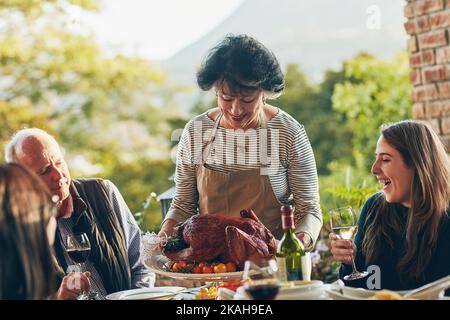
pixel 428 27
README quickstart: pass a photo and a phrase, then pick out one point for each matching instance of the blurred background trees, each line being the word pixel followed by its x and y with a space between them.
pixel 112 115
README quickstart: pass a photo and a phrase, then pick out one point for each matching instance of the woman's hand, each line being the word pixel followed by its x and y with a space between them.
pixel 305 239
pixel 73 284
pixel 167 228
pixel 342 250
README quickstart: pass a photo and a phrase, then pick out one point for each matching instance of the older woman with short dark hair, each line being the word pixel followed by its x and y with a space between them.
pixel 245 153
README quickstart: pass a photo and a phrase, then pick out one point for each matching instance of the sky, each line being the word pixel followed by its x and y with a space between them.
pixel 154 29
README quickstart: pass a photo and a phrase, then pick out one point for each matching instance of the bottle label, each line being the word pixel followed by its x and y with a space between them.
pixel 282 273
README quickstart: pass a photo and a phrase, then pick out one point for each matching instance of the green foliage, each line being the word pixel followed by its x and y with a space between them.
pixel 175 243
pixel 345 185
pixel 374 92
pixel 99 108
pixel 311 106
pixel 138 179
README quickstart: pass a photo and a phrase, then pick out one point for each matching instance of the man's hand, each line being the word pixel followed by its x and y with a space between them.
pixel 73 284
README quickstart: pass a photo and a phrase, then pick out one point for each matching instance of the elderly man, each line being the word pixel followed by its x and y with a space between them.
pixel 91 206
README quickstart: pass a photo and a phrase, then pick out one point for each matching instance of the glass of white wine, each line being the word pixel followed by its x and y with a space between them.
pixel 344 224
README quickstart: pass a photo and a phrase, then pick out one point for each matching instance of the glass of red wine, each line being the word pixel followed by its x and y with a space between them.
pixel 260 279
pixel 78 248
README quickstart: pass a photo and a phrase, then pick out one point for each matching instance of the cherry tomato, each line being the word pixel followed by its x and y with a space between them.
pixel 202 264
pixel 207 269
pixel 220 268
pixel 197 269
pixel 231 267
pixel 175 267
pixel 182 265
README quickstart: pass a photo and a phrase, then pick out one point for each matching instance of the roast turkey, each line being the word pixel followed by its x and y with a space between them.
pixel 218 237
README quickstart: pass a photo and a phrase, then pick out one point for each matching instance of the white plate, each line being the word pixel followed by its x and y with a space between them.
pixel 302 290
pixel 160 266
pixel 156 293
pixel 349 293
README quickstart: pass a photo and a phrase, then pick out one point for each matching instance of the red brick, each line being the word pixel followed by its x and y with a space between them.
pixel 412 44
pixel 443 55
pixel 410 27
pixel 425 92
pixel 409 10
pixel 444 90
pixel 419 25
pixel 440 20
pixel 414 77
pixel 427 6
pixel 415 60
pixel 423 58
pixel 436 73
pixel 422 24
pixel 432 39
pixel 418 111
pixel 445 125
pixel 446 108
pixel 434 109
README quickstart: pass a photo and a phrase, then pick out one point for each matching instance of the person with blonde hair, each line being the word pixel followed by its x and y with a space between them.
pixel 405 229
pixel 27 233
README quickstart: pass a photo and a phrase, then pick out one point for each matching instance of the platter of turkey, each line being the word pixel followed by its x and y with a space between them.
pixel 212 247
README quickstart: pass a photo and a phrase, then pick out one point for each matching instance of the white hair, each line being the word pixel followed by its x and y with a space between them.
pixel 14 146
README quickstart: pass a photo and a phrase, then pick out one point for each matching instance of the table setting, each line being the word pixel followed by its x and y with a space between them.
pixel 241 284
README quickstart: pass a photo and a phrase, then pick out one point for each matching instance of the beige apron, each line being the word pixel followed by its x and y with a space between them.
pixel 229 193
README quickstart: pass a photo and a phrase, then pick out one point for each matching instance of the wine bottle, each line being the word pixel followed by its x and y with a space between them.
pixel 290 251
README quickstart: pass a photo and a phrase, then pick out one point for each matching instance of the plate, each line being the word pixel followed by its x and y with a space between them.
pixel 302 290
pixel 298 290
pixel 156 293
pixel 349 293
pixel 160 265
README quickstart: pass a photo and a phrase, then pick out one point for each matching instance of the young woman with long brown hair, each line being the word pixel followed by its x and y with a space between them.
pixel 405 229
pixel 27 231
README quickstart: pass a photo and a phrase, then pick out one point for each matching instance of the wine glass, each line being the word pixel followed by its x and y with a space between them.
pixel 78 248
pixel 344 224
pixel 261 279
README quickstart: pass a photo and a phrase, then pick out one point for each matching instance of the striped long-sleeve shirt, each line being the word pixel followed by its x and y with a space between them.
pixel 292 169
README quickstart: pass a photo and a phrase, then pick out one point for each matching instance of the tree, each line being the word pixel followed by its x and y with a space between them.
pixel 111 111
pixel 311 105
pixel 374 92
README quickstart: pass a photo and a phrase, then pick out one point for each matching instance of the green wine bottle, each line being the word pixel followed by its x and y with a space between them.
pixel 290 251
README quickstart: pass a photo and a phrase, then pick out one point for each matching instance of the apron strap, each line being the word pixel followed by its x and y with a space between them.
pixel 212 137
pixel 263 140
